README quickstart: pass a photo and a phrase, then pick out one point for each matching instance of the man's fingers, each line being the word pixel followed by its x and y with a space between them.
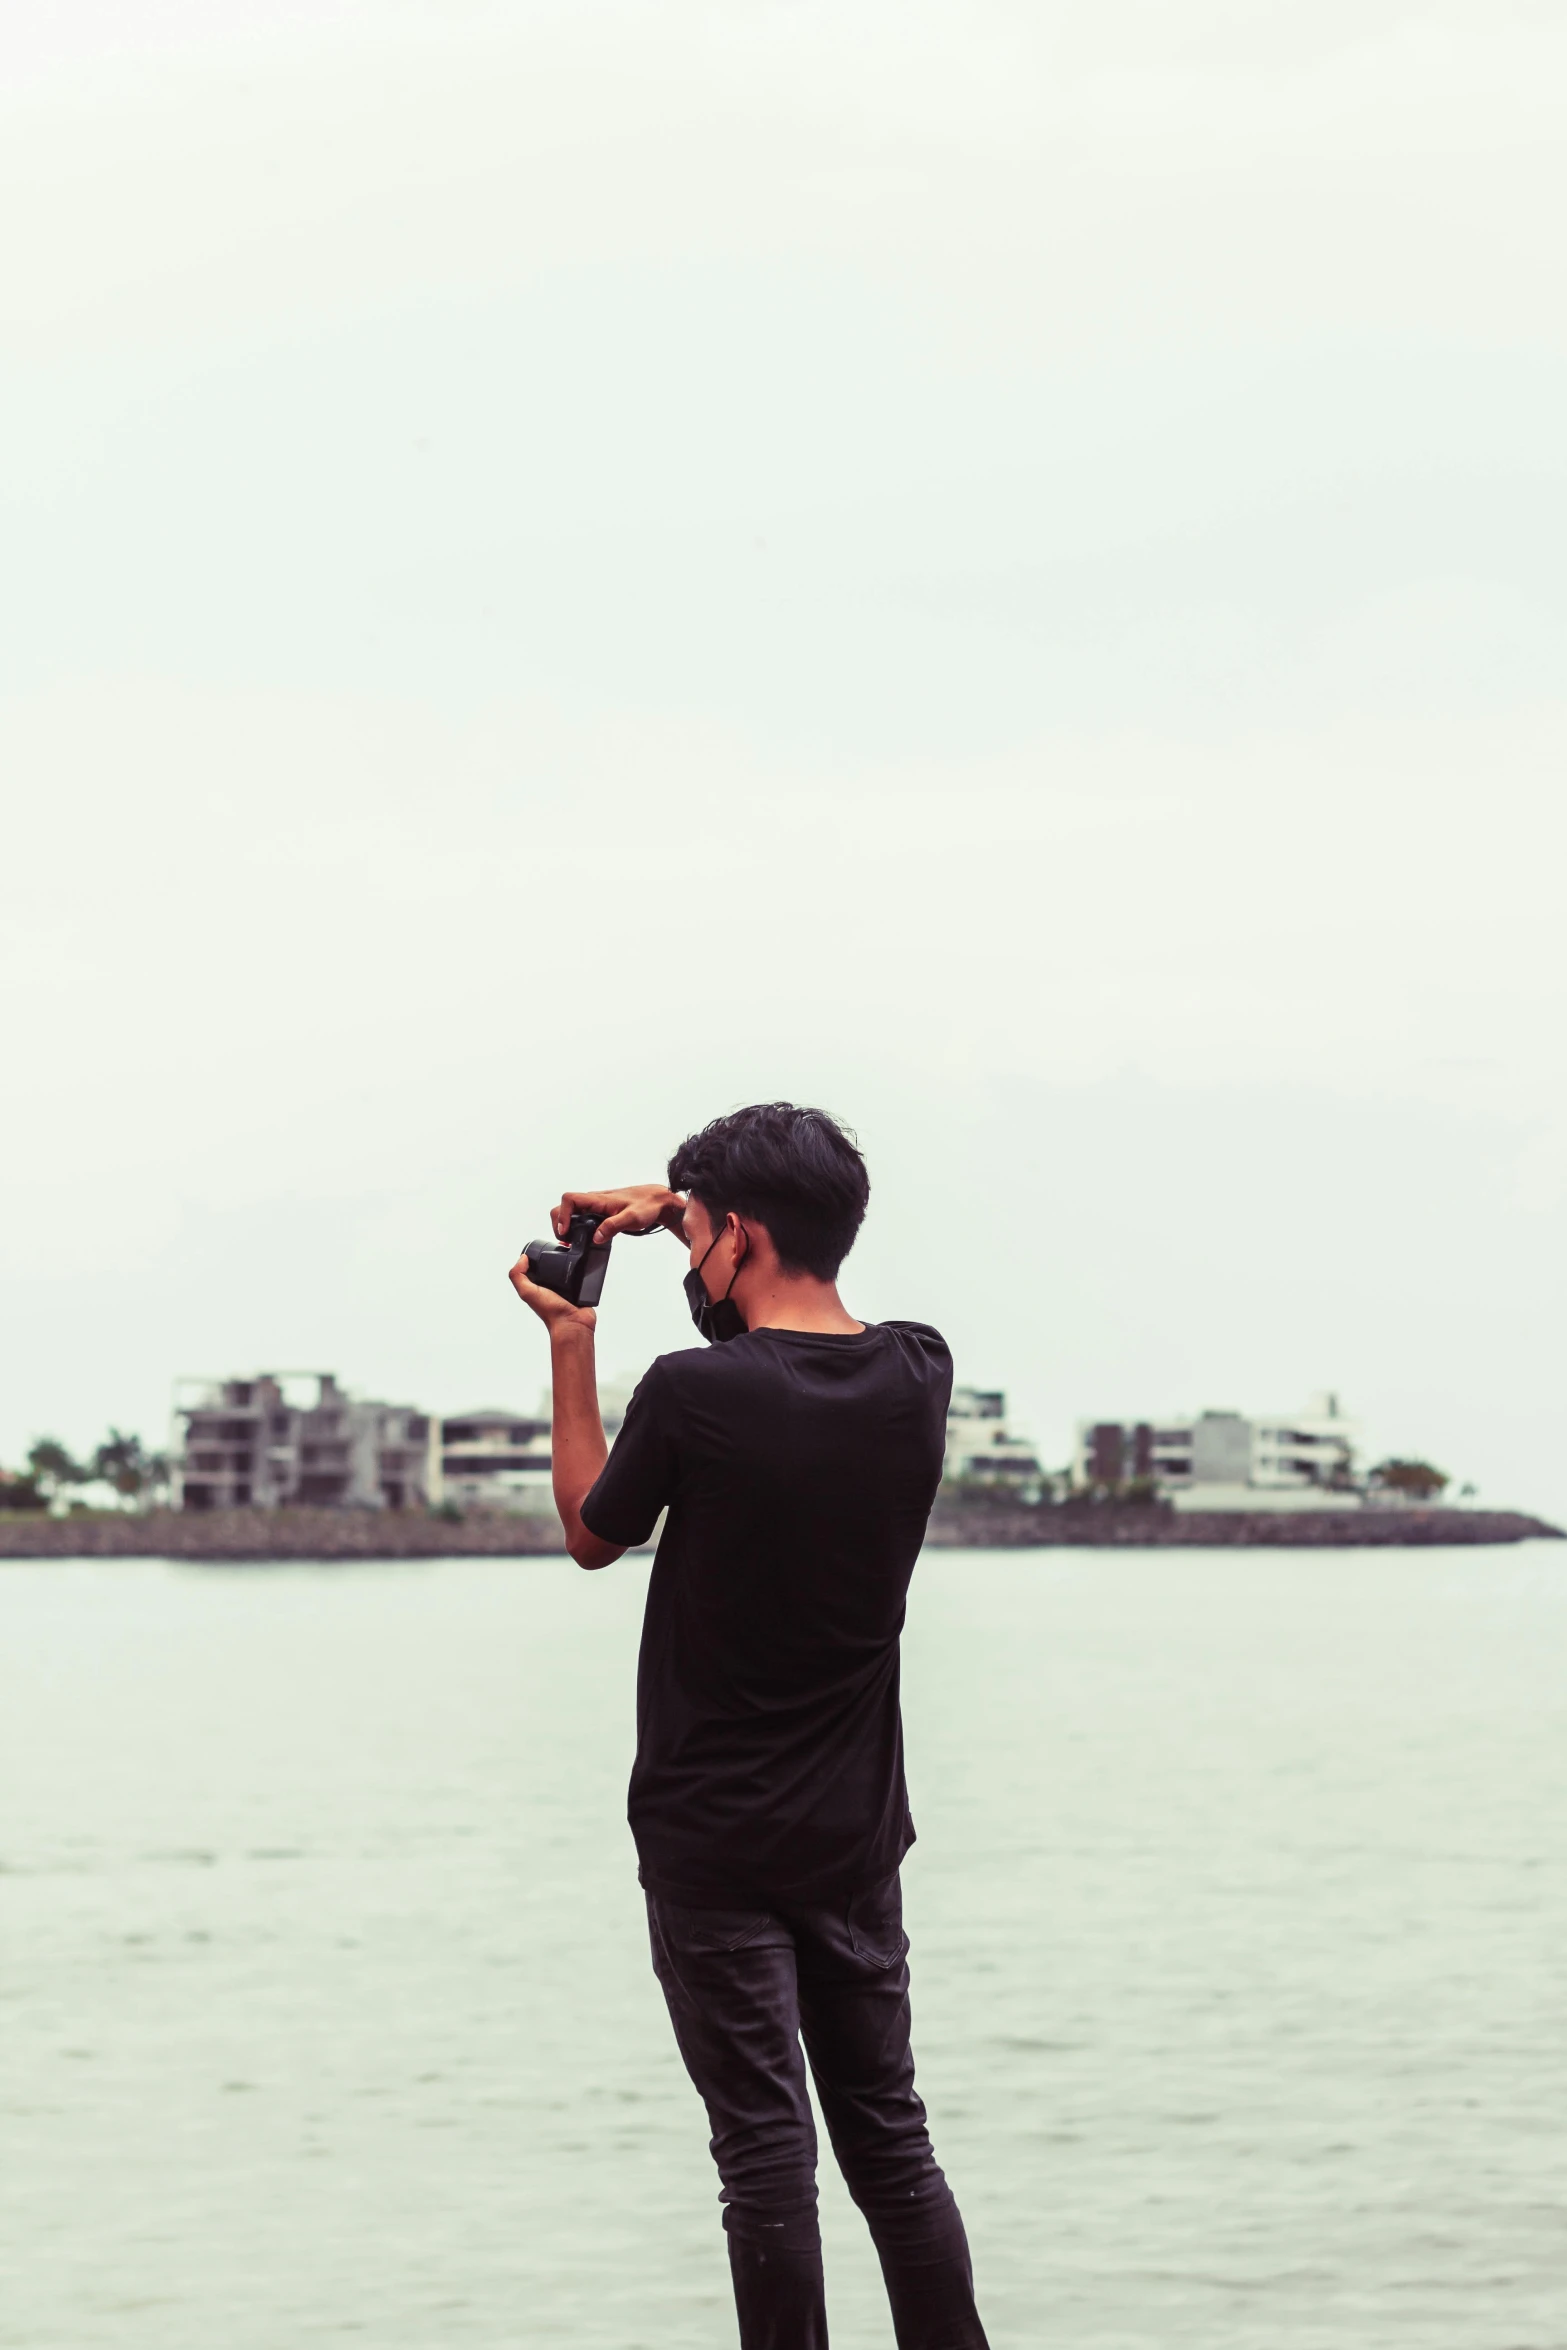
pixel 624 1220
pixel 591 1203
pixel 570 1202
pixel 532 1292
pixel 635 1207
pixel 548 1304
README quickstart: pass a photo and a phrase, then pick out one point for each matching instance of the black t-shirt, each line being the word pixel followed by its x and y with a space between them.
pixel 799 1467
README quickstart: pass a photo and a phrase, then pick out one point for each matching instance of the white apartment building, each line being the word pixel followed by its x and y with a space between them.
pixel 982 1449
pixel 1223 1460
pixel 497 1460
pixel 295 1436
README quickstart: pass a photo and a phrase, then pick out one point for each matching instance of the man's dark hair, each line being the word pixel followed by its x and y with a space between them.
pixel 796 1171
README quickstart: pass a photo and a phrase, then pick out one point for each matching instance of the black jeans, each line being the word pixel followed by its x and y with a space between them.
pixel 743 1987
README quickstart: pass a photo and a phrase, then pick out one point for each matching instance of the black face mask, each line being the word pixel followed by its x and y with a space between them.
pixel 720 1320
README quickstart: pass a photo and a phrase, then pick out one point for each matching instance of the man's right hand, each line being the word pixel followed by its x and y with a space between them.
pixel 635 1207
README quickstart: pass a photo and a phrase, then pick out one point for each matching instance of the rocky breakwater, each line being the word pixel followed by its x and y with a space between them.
pixel 332 1537
pixel 311 1536
pixel 1075 1525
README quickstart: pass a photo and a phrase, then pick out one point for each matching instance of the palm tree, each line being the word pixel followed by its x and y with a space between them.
pixel 125 1463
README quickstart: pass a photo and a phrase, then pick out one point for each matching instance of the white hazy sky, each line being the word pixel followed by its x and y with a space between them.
pixel 995 567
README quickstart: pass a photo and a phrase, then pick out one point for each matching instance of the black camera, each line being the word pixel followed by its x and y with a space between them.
pixel 574 1269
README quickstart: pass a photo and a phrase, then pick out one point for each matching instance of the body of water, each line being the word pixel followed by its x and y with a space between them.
pixel 1240 1947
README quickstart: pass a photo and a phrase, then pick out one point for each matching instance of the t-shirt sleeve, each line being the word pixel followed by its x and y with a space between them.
pixel 639 1477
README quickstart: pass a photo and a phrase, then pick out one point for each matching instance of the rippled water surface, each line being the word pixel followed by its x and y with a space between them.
pixel 1240 1946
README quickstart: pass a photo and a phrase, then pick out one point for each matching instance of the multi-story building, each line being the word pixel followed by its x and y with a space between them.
pixel 495 1460
pixel 1222 1460
pixel 296 1437
pixel 498 1461
pixel 981 1448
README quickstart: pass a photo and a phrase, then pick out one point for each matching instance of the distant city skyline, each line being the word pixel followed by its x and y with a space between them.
pixel 269 1438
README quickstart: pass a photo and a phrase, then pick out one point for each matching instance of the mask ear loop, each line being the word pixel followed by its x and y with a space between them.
pixel 740 1262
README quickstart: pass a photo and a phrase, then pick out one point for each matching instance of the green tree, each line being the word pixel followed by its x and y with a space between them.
pixel 1416 1478
pixel 125 1463
pixel 52 1468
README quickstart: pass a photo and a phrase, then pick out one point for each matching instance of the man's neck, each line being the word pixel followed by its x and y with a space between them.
pixel 795 1302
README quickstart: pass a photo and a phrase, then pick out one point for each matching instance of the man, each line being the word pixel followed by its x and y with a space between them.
pixel 798 1460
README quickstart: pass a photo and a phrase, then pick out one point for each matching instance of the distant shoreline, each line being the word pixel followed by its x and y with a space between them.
pixel 1156 1526
pixel 277 1537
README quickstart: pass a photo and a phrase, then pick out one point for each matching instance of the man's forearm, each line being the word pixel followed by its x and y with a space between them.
pixel 577 1447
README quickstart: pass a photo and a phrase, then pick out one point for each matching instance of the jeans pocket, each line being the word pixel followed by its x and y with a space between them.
pixel 876 1924
pixel 708 1933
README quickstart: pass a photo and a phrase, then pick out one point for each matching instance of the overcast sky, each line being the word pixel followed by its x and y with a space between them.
pixel 998 568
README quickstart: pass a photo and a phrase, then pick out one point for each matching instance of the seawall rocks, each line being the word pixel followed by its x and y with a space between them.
pixel 332 1536
pixel 280 1535
pixel 1152 1526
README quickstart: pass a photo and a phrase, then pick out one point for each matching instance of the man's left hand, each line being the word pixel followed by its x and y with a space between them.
pixel 557 1313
